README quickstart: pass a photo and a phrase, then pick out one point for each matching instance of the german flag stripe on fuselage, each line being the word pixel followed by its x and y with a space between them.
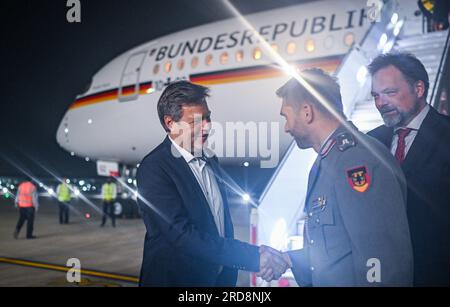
pixel 110 95
pixel 252 73
pixel 328 64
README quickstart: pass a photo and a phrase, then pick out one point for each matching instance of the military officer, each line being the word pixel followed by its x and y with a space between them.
pixel 356 230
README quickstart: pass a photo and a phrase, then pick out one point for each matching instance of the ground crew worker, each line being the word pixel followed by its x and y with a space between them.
pixel 64 197
pixel 109 194
pixel 28 204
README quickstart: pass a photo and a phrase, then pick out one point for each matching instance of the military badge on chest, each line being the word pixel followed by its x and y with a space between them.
pixel 319 203
pixel 359 179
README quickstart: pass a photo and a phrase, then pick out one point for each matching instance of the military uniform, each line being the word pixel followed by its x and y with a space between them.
pixel 355 216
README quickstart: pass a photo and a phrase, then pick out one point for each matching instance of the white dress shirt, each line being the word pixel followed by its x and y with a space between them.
pixel 414 125
pixel 207 181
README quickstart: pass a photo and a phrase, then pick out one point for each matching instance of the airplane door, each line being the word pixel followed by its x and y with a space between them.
pixel 129 82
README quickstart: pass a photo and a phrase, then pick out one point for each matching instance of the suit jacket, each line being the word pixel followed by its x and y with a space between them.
pixel 356 217
pixel 182 245
pixel 427 171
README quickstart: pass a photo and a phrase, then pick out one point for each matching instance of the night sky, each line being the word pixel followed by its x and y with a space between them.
pixel 47 61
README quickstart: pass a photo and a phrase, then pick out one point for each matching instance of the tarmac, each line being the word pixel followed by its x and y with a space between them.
pixel 109 257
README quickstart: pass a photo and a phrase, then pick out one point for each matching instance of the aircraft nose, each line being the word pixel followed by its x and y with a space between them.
pixel 63 132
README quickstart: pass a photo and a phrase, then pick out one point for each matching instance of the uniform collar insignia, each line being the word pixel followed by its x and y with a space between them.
pixel 345 141
pixel 327 147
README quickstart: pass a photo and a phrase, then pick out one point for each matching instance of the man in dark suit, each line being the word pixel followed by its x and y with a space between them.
pixel 419 138
pixel 183 200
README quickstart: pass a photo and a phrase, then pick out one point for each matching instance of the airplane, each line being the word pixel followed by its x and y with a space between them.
pixel 115 119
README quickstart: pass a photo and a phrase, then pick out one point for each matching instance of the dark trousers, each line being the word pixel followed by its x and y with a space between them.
pixel 108 210
pixel 26 214
pixel 63 213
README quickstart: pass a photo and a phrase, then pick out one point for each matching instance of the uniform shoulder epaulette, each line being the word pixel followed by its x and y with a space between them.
pixel 345 141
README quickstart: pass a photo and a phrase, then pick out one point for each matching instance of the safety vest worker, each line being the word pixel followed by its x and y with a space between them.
pixel 27 202
pixel 26 195
pixel 109 194
pixel 109 191
pixel 63 192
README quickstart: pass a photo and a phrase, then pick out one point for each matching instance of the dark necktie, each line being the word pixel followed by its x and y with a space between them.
pixel 401 145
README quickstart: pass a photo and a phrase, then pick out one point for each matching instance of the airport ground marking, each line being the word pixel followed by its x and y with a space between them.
pixel 56 267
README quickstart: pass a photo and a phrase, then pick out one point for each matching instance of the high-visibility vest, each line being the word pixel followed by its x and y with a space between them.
pixel 63 193
pixel 25 194
pixel 109 191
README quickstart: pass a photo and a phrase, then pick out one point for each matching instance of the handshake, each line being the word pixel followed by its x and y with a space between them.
pixel 272 263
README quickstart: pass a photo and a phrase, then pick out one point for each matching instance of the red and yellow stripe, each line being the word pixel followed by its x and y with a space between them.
pixel 56 267
pixel 328 64
pixel 110 95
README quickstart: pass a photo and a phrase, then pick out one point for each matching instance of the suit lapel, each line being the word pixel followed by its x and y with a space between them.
pixel 424 143
pixel 386 137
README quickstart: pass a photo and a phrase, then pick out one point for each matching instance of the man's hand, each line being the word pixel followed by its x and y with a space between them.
pixel 273 263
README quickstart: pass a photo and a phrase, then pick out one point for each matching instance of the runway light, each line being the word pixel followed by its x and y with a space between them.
pixel 383 41
pixel 361 75
pixel 388 47
pixel 87 215
pixel 246 198
pixel 394 18
pixel 398 27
